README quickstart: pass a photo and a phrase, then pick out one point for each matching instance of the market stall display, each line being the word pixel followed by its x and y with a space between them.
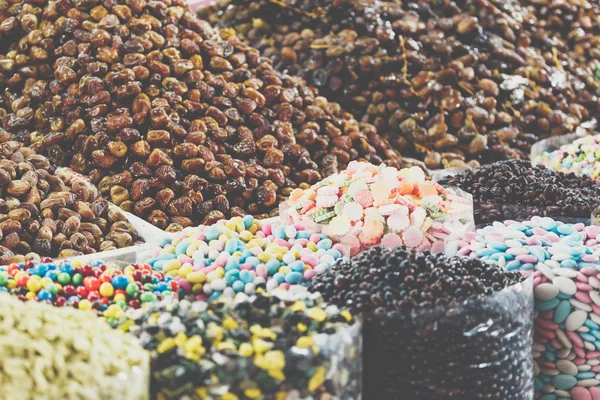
pixel 563 259
pixel 366 205
pixel 44 214
pixel 242 255
pixel 106 288
pixel 173 120
pixel 514 189
pixel 436 327
pixel 258 347
pixel 61 353
pixel 445 81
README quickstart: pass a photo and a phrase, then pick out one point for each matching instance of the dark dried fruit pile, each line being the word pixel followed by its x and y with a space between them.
pixel 436 327
pixel 514 189
pixel 42 216
pixel 446 81
pixel 173 120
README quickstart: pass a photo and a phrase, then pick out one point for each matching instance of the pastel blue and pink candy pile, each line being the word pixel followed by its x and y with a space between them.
pixel 243 255
pixel 564 262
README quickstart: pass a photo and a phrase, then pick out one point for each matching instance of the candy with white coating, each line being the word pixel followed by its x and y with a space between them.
pixel 564 262
pixel 243 255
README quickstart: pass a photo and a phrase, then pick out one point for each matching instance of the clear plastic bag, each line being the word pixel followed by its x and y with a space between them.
pixel 132 386
pixel 477 349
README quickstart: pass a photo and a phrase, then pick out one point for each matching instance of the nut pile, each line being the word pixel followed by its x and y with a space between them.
pixel 41 216
pixel 436 327
pixel 171 119
pixel 446 81
pixel 514 189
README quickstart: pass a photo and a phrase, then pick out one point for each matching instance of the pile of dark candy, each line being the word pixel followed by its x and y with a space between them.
pixel 436 327
pixel 515 189
pixel 262 347
pixel 447 81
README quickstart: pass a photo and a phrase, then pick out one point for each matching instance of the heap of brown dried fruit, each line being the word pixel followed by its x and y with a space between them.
pixel 446 81
pixel 173 120
pixel 41 216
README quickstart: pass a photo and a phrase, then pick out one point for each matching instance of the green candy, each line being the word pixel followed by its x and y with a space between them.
pixel 63 278
pixel 149 286
pixel 77 279
pixel 131 288
pixel 146 297
pixel 3 279
pixel 52 288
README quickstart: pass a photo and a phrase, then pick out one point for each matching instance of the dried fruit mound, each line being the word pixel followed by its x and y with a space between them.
pixel 173 120
pixel 446 81
pixel 42 215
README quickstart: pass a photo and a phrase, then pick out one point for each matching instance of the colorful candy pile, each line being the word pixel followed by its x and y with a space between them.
pixel 243 255
pixel 582 157
pixel 265 348
pixel 103 287
pixel 367 205
pixel 61 353
pixel 563 260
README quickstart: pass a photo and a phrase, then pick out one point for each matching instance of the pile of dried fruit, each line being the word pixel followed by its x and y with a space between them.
pixel 173 120
pixel 446 81
pixel 41 216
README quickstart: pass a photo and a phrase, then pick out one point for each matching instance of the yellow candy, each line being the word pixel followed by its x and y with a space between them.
pixel 317 313
pixel 106 289
pixel 85 305
pixel 253 393
pixel 312 246
pixel 246 236
pixel 304 342
pixel 196 277
pixel 76 263
pixel 180 339
pixel 202 392
pixel 253 228
pixel 276 359
pixel 129 269
pixel 174 242
pixel 215 332
pixel 223 238
pixel 246 350
pixel 226 346
pixel 173 273
pixel 30 295
pixel 229 396
pixel 277 374
pixel 194 343
pixel 317 380
pixel 46 281
pixel 284 270
pixel 165 345
pixel 191 249
pixel 185 270
pixel 230 324
pixel 11 284
pixel 211 276
pixel 33 285
pixel 301 327
pixel 197 288
pixel 346 314
pixel 120 297
pixel 19 275
pixel 260 346
pixel 171 265
pixel 264 257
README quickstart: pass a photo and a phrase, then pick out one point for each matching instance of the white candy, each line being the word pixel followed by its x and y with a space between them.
pixel 565 285
pixel 218 284
pixel 575 320
pixel 546 291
